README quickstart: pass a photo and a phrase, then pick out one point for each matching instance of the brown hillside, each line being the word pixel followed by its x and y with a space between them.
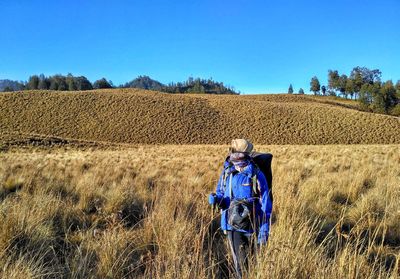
pixel 138 116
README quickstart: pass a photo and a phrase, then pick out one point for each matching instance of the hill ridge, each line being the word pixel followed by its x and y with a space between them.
pixel 150 117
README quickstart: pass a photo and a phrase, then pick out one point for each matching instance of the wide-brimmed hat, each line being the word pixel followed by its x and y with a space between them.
pixel 241 145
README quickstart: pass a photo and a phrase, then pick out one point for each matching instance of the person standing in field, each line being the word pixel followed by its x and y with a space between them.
pixel 243 195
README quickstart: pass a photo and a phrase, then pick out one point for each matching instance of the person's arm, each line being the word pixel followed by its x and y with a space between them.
pixel 266 208
pixel 218 197
pixel 220 191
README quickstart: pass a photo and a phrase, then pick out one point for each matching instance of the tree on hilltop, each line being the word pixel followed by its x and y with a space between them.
pixel 59 82
pixel 145 82
pixel 102 83
pixel 333 80
pixel 301 91
pixel 396 109
pixel 367 93
pixel 363 75
pixel 379 97
pixel 8 89
pixel 11 85
pixel 342 85
pixel 315 86
pixel 387 98
pixel 290 90
pixel 349 87
pixel 53 84
pixel 70 80
pixel 62 85
pixel 196 87
pixel 82 83
pixel 397 86
pixel 33 82
pixel 43 83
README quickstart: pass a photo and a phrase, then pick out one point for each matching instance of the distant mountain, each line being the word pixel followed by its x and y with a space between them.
pixel 10 85
pixel 145 82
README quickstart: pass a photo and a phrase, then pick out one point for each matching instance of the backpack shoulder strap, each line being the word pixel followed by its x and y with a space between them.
pixel 254 181
pixel 230 187
pixel 225 177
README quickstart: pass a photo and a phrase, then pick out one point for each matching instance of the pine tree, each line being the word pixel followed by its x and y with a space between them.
pixel 43 83
pixel 62 85
pixel 315 86
pixel 290 90
pixel 8 89
pixel 82 83
pixel 370 98
pixel 333 80
pixel 301 91
pixel 33 82
pixel 349 87
pixel 397 86
pixel 363 75
pixel 101 83
pixel 386 98
pixel 71 84
pixel 53 84
pixel 342 85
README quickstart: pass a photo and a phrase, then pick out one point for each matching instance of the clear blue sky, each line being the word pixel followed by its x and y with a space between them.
pixel 258 46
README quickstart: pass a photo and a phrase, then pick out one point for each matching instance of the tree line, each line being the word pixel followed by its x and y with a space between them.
pixel 197 85
pixel 364 85
pixel 290 90
pixel 191 85
pixel 74 83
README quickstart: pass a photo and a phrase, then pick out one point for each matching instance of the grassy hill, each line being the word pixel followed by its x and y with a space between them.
pixel 140 116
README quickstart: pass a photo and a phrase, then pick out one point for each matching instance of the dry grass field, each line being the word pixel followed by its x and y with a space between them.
pixel 147 117
pixel 140 211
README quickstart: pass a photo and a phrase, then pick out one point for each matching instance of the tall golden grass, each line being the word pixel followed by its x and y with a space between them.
pixel 138 116
pixel 142 212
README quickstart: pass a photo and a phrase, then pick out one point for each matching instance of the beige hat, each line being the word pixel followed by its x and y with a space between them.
pixel 241 145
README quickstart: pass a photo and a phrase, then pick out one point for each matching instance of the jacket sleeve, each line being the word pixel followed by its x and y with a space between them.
pixel 266 208
pixel 220 191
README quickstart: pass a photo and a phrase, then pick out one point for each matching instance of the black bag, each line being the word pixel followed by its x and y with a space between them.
pixel 263 162
pixel 240 214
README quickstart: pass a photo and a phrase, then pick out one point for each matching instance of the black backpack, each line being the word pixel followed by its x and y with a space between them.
pixel 264 162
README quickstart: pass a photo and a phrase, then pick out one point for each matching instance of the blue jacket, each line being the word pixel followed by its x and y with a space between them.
pixel 242 188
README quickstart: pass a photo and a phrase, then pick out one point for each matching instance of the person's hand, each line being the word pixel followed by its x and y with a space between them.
pixel 212 199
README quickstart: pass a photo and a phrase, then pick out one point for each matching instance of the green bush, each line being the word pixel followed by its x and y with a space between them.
pixel 396 110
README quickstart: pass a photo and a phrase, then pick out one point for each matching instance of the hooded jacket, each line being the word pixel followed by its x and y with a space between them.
pixel 242 188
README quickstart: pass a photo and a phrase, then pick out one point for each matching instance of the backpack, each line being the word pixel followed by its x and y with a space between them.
pixel 264 161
